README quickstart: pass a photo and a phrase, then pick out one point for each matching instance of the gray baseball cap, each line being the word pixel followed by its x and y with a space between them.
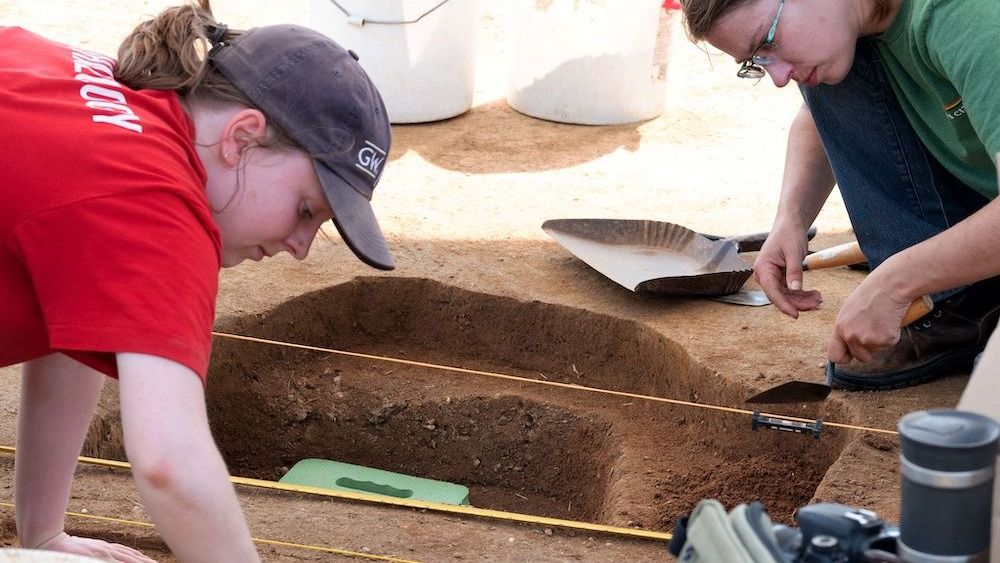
pixel 318 93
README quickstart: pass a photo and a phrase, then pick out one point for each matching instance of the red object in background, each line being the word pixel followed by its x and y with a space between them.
pixel 671 5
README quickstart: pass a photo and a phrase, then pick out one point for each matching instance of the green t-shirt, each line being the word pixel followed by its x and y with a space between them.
pixel 943 60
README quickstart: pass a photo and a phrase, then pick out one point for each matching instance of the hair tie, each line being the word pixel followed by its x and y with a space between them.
pixel 216 33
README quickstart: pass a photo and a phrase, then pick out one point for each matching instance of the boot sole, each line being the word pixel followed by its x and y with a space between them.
pixel 946 364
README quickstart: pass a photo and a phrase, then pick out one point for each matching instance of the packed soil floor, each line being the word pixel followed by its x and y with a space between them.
pixel 479 286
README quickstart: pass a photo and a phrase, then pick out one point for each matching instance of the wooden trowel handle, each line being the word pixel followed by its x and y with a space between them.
pixel 840 255
pixel 920 307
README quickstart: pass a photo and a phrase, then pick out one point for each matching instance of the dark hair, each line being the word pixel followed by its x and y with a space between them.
pixel 170 52
pixel 701 15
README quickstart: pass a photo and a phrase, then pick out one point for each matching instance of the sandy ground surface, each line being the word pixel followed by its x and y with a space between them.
pixel 480 285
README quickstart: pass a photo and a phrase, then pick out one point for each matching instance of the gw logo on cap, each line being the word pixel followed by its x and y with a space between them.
pixel 370 159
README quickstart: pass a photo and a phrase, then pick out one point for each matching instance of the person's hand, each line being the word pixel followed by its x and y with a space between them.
pixel 778 270
pixel 98 549
pixel 867 322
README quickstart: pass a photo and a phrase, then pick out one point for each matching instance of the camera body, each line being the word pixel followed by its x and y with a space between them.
pixel 836 533
pixel 827 533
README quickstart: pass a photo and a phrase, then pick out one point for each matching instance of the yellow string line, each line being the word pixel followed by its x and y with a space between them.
pixel 539 381
pixel 276 543
pixel 413 503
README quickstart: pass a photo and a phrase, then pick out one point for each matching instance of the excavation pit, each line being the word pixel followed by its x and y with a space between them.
pixel 524 447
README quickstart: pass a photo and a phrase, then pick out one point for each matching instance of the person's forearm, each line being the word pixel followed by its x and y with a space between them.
pixel 195 507
pixel 963 254
pixel 176 465
pixel 58 396
pixel 808 179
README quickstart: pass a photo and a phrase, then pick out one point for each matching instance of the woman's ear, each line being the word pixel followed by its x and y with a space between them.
pixel 246 128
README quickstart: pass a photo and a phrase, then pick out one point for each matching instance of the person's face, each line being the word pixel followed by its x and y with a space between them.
pixel 277 206
pixel 813 41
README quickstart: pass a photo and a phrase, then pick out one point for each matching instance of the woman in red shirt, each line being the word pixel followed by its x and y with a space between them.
pixel 127 185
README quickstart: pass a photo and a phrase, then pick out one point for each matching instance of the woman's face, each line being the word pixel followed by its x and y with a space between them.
pixel 277 205
pixel 814 40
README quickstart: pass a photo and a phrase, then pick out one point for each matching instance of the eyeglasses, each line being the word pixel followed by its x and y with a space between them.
pixel 753 67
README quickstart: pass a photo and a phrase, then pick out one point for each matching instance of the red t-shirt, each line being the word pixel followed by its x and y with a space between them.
pixel 107 242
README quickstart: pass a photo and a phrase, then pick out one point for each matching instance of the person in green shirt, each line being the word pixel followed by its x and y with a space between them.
pixel 902 112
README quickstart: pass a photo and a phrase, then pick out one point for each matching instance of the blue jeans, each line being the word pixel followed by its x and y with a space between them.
pixel 896 193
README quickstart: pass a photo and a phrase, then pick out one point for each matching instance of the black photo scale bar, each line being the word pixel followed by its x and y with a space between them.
pixel 762 421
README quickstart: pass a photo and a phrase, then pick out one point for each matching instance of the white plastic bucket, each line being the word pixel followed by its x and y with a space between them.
pixel 420 54
pixel 594 62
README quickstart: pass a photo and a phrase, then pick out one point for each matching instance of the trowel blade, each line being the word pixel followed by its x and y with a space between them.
pixel 793 392
pixel 751 297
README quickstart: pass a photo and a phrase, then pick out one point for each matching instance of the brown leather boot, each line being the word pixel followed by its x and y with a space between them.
pixel 944 342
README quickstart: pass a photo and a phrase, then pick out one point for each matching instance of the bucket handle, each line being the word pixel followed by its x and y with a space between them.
pixel 361 21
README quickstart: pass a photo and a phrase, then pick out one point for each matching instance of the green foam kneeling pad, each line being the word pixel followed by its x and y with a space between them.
pixel 328 474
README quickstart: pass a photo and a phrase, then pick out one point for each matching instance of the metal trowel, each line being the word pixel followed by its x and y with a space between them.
pixel 810 392
pixel 797 391
pixel 751 297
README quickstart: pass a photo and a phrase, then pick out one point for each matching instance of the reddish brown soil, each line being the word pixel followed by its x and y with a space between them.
pixel 480 286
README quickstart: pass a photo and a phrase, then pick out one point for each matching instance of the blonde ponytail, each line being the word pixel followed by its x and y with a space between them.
pixel 169 52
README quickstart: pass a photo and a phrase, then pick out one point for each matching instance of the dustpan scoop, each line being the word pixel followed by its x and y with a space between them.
pixel 652 256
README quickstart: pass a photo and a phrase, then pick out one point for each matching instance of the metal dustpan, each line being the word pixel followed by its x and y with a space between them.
pixel 652 256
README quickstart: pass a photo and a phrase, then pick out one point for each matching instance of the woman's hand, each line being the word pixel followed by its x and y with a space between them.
pixel 778 270
pixel 98 549
pixel 868 321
